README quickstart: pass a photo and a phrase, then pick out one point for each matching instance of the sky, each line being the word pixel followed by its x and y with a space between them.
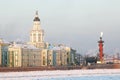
pixel 75 23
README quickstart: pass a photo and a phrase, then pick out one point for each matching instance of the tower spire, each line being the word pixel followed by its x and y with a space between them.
pixel 37 12
pixel 36 17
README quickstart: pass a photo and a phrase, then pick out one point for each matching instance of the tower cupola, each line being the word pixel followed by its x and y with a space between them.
pixel 36 17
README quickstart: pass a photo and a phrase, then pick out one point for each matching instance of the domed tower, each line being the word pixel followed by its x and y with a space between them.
pixel 37 34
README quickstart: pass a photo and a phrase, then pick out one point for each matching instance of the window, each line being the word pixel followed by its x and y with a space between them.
pixel 43 60
pixel 39 39
pixel 34 34
pixel 16 53
pixel 50 55
pixel 34 56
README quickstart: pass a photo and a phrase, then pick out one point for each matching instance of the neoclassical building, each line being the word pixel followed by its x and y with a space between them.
pixel 37 33
pixel 37 52
pixel 22 55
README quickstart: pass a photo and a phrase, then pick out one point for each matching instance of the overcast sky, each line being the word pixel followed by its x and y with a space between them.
pixel 76 23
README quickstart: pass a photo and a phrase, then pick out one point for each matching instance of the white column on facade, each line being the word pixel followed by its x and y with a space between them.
pixel 32 37
pixel 37 36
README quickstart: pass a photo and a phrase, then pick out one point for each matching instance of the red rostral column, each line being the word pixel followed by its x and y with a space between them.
pixel 101 48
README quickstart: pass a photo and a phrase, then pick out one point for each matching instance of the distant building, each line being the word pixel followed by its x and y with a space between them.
pixel 50 57
pixel 110 59
pixel 44 57
pixel 3 52
pixel 72 56
pixel 62 56
pixel 37 34
pixel 14 55
pixel 79 59
pixel 31 56
pixel 21 55
pixel 36 52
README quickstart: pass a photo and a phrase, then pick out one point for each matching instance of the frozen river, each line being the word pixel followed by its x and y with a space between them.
pixel 95 74
pixel 102 77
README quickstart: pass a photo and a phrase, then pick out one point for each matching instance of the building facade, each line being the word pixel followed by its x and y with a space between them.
pixel 72 56
pixel 79 59
pixel 44 57
pixel 30 56
pixel 62 56
pixel 14 55
pixel 50 57
pixel 3 52
pixel 23 55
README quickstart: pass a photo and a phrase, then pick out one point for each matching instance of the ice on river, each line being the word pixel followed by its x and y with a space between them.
pixel 41 75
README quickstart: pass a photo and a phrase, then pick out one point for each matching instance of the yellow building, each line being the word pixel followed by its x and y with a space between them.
pixel 21 55
pixel 61 58
pixel 68 55
pixel 14 55
pixel 50 57
pixel 44 57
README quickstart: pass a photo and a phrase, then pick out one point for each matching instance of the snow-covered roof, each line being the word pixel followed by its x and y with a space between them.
pixel 16 45
pixel 58 47
pixel 4 41
pixel 28 46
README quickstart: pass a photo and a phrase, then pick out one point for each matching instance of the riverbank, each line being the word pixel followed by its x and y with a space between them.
pixel 95 66
pixel 24 69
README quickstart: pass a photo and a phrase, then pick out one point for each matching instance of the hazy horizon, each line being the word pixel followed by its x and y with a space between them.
pixel 76 23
